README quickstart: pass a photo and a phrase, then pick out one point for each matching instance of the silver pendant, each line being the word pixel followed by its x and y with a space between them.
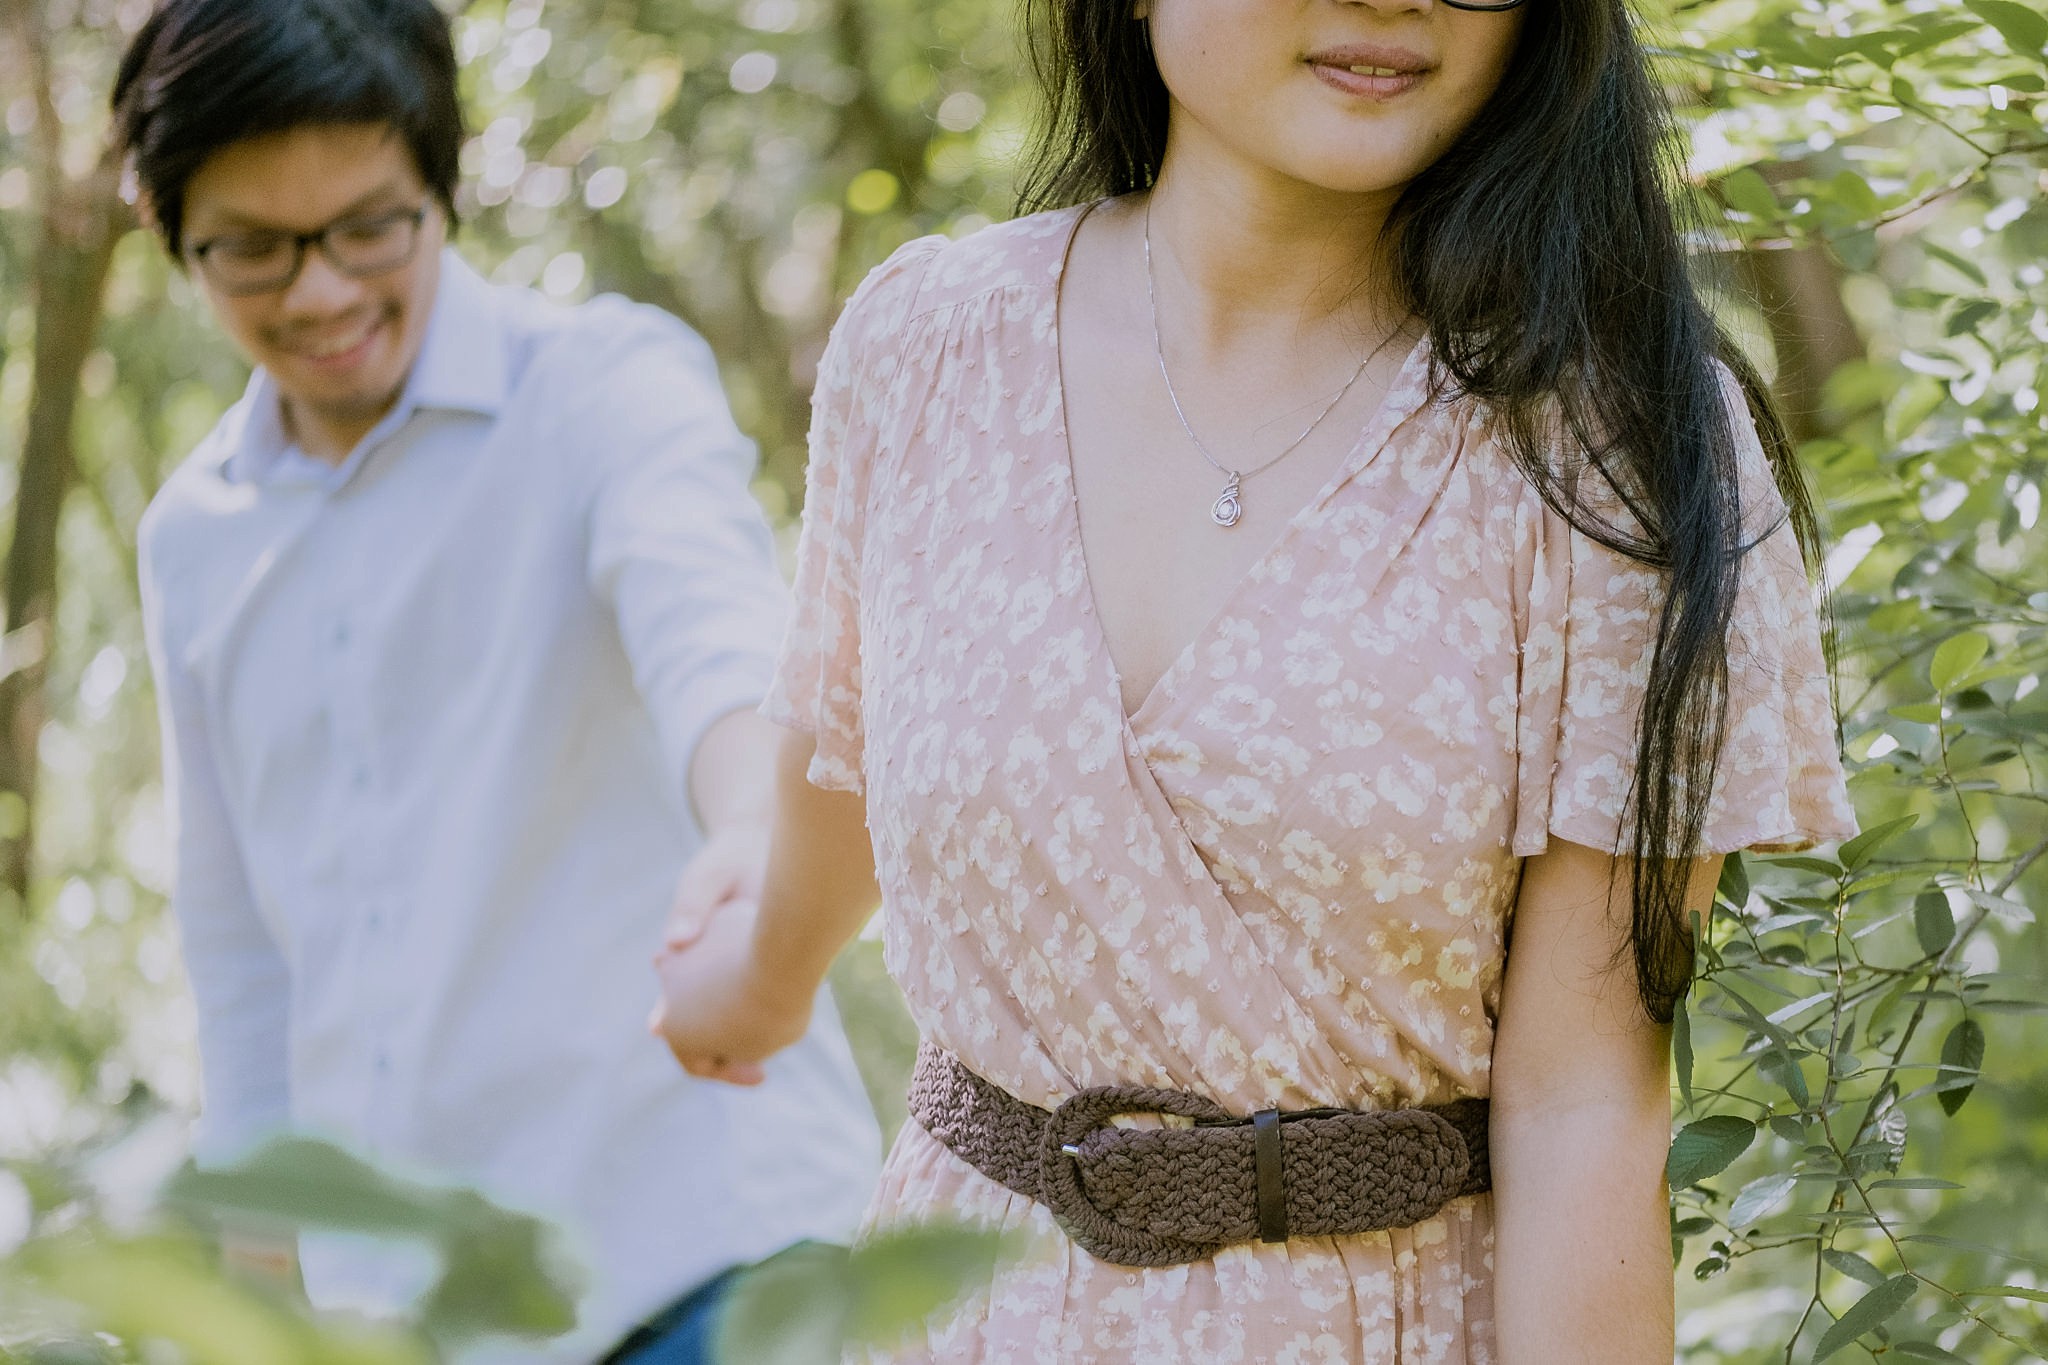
pixel 1226 509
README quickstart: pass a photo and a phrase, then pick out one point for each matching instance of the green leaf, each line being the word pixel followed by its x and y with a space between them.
pixel 1933 922
pixel 1681 1048
pixel 1734 887
pixel 1962 1057
pixel 1888 1002
pixel 1885 1132
pixel 804 1306
pixel 2024 30
pixel 306 1183
pixel 1962 265
pixel 1786 1014
pixel 790 1309
pixel 1706 1147
pixel 1955 657
pixel 901 1278
pixel 1853 193
pixel 1927 1350
pixel 2004 909
pixel 1871 1311
pixel 1759 1197
pixel 2004 1291
pixel 166 1291
pixel 1857 851
pixel 1961 1244
pixel 1750 193
pixel 1855 1267
pixel 1824 867
pixel 1969 315
pixel 1782 1069
pixel 501 1271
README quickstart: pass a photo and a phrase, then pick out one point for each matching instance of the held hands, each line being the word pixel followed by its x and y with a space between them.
pixel 724 1010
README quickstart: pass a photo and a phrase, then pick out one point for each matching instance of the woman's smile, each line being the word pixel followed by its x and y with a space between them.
pixel 1370 72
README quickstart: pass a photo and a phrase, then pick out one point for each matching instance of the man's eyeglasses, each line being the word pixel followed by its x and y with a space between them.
pixel 241 264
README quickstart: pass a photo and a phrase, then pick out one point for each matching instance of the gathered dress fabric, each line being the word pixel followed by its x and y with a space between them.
pixel 1285 881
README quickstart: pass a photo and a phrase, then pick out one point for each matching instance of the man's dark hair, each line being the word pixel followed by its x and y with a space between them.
pixel 205 74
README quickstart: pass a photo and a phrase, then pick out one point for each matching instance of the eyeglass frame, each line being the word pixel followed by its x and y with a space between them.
pixel 303 242
pixel 1479 7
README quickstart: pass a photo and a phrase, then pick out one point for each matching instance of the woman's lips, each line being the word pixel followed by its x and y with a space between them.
pixel 1371 73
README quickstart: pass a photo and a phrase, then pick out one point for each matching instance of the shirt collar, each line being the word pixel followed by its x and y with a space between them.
pixel 462 367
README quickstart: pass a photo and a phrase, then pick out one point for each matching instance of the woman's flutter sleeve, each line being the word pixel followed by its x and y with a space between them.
pixel 1589 630
pixel 817 682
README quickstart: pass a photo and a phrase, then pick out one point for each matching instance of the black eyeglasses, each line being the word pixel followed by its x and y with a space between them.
pixel 1484 6
pixel 241 264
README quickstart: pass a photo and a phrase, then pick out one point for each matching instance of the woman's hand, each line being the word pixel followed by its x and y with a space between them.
pixel 723 1012
pixel 759 915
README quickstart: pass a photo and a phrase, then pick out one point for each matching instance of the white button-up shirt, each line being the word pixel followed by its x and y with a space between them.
pixel 428 719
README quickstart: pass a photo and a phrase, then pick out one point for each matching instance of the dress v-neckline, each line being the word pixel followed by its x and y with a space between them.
pixel 1395 407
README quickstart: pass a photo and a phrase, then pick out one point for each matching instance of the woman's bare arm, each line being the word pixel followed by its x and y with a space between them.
pixel 745 956
pixel 1581 1123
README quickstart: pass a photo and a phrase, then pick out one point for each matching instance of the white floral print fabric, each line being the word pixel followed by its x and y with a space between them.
pixel 1285 881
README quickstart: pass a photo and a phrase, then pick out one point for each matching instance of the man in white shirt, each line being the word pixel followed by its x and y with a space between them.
pixel 457 620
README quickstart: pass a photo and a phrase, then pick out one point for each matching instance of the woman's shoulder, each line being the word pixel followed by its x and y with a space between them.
pixel 1023 253
pixel 930 277
pixel 935 273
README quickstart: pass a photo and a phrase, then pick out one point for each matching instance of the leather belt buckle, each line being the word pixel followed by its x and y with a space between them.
pixel 1059 1172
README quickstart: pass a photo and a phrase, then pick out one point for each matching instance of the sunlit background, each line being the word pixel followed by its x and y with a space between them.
pixel 1871 180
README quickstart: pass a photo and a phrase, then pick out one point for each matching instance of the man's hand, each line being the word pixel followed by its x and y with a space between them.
pixel 720 1013
pixel 728 868
pixel 780 886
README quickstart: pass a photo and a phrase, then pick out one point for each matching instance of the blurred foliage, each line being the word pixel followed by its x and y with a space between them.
pixel 1866 1094
pixel 1865 1106
pixel 95 1293
pixel 807 1304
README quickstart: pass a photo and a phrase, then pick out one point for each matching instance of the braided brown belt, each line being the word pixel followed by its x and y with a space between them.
pixel 1168 1196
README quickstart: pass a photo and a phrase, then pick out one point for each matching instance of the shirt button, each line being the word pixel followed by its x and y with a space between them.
pixel 383 1063
pixel 340 635
pixel 361 776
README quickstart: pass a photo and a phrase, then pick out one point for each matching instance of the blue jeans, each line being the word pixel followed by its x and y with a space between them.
pixel 682 1333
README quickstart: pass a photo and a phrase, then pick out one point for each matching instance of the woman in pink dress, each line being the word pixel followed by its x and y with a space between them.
pixel 1331 538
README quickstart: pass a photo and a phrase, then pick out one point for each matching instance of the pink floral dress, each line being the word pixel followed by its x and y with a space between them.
pixel 1285 881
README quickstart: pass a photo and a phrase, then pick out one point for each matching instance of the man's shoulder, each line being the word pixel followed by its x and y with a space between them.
pixel 197 493
pixel 603 349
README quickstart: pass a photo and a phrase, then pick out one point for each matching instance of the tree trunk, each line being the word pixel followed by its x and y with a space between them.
pixel 82 221
pixel 1800 292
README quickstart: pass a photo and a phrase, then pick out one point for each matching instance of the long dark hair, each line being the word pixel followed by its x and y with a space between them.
pixel 1543 253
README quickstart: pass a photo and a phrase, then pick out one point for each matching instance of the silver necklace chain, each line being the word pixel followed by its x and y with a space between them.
pixel 1229 505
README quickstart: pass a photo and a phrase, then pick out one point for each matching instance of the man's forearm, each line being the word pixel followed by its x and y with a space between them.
pixel 732 771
